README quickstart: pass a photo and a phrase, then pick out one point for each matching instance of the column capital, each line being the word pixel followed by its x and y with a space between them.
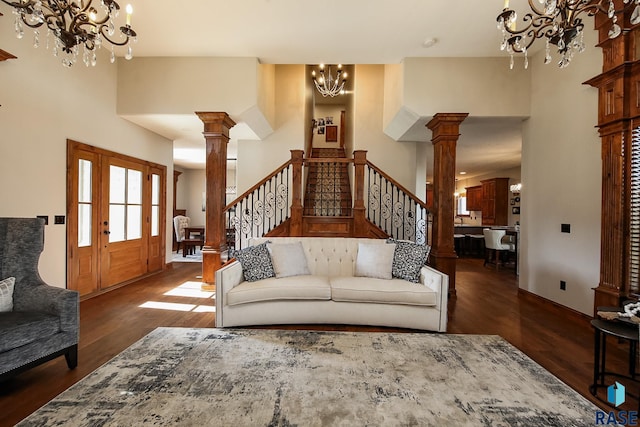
pixel 216 123
pixel 446 119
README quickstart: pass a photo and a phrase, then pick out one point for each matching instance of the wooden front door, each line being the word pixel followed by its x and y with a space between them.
pixel 116 217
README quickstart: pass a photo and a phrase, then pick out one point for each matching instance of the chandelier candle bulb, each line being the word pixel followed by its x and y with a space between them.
pixel 129 12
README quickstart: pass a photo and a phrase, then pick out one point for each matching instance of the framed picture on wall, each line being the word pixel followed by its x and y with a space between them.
pixel 320 130
pixel 332 134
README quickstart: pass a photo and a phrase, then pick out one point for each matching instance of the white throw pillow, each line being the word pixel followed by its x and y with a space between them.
pixel 6 294
pixel 288 259
pixel 374 260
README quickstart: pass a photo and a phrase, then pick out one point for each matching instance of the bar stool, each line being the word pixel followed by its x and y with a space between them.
pixel 459 244
pixel 476 244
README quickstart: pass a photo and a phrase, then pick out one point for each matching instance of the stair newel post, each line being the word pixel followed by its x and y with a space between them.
pixel 216 134
pixel 297 159
pixel 445 128
pixel 359 212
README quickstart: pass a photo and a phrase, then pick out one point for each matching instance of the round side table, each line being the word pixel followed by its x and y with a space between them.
pixel 617 329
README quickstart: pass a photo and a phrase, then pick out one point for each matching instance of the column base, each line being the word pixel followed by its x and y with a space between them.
pixel 211 262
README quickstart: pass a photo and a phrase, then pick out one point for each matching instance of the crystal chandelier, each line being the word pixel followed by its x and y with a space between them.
pixel 559 22
pixel 326 84
pixel 75 26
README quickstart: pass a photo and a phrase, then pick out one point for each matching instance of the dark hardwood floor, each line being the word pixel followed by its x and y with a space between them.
pixel 487 303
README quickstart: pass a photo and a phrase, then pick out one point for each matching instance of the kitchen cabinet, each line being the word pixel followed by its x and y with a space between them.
pixel 495 200
pixel 474 198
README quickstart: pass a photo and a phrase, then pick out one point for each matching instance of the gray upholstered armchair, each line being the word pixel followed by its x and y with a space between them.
pixel 43 323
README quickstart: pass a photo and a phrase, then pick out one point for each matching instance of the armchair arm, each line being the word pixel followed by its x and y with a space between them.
pixel 64 303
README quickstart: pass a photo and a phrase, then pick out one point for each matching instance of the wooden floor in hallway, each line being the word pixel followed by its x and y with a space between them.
pixel 487 302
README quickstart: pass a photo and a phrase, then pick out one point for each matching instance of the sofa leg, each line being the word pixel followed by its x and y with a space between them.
pixel 72 356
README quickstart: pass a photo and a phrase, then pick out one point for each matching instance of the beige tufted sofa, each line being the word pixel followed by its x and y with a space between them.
pixel 331 294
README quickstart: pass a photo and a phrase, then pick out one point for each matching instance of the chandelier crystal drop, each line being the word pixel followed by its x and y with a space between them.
pixel 560 23
pixel 325 82
pixel 79 28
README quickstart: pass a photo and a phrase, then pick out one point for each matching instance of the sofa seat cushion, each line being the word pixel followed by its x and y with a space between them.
pixel 18 328
pixel 285 288
pixel 383 291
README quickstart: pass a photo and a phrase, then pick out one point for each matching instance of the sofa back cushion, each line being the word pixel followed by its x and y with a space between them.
pixel 288 259
pixel 326 256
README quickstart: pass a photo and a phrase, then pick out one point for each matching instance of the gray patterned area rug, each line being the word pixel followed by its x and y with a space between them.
pixel 244 377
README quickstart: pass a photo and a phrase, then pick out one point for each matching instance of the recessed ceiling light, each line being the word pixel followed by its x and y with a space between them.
pixel 463 173
pixel 429 42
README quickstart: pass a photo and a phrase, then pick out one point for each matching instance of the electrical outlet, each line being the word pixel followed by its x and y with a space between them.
pixel 58 219
pixel 45 217
pixel 563 285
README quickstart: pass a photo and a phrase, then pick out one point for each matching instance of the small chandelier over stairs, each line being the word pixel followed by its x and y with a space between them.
pixel 326 84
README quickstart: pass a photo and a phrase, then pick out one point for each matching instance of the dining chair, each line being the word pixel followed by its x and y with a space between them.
pixel 180 222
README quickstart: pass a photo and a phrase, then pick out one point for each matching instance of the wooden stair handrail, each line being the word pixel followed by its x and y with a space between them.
pixel 397 184
pixel 258 185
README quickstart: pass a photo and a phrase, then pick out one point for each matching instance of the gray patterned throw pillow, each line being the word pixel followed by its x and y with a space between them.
pixel 6 294
pixel 256 262
pixel 408 259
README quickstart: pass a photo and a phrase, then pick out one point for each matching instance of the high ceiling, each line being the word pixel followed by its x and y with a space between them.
pixel 332 31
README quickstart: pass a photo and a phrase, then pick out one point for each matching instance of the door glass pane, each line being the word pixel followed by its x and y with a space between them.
pixel 155 201
pixel 134 186
pixel 117 181
pixel 134 222
pixel 155 220
pixel 84 202
pixel 116 223
pixel 84 181
pixel 84 225
pixel 155 189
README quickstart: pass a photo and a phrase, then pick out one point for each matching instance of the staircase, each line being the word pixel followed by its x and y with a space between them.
pixel 376 207
pixel 328 191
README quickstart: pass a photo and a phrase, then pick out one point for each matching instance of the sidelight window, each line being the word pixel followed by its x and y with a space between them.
pixel 85 195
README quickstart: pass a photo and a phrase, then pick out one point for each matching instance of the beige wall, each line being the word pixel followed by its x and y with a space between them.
pixel 479 86
pixel 241 87
pixel 44 104
pixel 256 159
pixel 561 181
pixel 395 158
pixel 393 91
pixel 184 85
